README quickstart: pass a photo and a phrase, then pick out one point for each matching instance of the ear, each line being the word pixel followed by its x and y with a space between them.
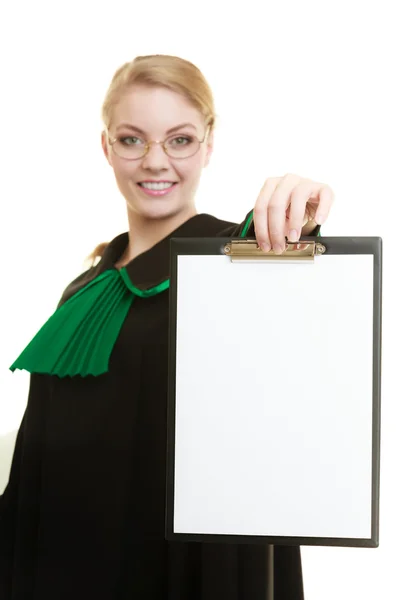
pixel 210 147
pixel 106 147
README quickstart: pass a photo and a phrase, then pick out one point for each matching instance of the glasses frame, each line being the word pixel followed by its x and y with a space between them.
pixel 112 140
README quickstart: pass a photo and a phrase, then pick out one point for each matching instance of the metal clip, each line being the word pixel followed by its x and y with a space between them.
pixel 250 250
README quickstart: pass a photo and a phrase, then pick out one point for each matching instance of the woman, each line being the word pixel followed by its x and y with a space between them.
pixel 83 513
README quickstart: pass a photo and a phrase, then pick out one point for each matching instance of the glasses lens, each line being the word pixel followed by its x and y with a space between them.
pixel 130 147
pixel 182 146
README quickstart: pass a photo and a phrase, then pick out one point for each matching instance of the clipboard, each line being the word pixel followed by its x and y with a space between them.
pixel 274 392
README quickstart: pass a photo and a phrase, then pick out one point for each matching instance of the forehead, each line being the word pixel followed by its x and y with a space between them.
pixel 154 109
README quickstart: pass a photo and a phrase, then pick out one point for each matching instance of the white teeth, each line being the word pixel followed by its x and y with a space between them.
pixel 157 186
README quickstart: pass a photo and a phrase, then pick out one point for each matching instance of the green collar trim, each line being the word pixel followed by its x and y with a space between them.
pixel 247 224
pixel 157 289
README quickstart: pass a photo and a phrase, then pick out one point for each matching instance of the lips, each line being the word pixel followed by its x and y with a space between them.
pixel 156 181
pixel 169 184
pixel 158 191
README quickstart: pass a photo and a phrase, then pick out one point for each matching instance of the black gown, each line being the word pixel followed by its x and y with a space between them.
pixel 83 514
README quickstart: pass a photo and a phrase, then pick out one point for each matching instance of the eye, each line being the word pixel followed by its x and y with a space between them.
pixel 181 140
pixel 127 140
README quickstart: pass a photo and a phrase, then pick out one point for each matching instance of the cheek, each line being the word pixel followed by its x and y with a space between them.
pixel 124 171
pixel 191 171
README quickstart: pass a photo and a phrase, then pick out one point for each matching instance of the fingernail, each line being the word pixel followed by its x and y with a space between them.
pixel 320 219
pixel 266 247
pixel 293 236
pixel 278 249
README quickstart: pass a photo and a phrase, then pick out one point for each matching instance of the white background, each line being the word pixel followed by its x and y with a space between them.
pixel 309 88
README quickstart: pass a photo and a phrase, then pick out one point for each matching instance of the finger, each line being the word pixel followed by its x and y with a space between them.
pixel 277 212
pixel 298 207
pixel 260 214
pixel 277 222
pixel 326 199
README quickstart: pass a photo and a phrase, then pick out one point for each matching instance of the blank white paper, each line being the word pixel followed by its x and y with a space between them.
pixel 274 397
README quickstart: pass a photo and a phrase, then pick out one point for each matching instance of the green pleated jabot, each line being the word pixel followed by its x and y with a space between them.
pixel 79 337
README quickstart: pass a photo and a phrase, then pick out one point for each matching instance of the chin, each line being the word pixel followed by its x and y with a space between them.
pixel 157 210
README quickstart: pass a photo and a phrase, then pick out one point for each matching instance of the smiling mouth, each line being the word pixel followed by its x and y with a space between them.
pixel 157 189
pixel 162 185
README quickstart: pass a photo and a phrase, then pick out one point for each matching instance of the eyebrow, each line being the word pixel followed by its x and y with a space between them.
pixel 181 126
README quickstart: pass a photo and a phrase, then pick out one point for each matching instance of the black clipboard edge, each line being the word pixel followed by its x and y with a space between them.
pixel 334 245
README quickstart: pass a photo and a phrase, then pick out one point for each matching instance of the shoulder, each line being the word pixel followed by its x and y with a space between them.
pixel 223 228
pixel 108 253
pixel 78 283
pixel 213 226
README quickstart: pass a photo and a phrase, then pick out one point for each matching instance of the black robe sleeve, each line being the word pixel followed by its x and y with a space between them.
pixel 27 457
pixel 7 517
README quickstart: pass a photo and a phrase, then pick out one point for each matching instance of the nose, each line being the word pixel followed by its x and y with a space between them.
pixel 156 159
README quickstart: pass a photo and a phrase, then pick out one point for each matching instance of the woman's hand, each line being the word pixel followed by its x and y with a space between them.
pixel 285 205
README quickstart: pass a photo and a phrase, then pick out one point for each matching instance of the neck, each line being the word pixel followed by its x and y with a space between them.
pixel 144 232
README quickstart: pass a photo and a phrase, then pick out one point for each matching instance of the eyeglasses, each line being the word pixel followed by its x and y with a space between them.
pixel 132 147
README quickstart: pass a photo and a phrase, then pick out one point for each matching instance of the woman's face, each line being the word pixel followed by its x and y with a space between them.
pixel 155 111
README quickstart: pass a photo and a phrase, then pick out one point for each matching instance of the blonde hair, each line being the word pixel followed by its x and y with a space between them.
pixel 158 70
